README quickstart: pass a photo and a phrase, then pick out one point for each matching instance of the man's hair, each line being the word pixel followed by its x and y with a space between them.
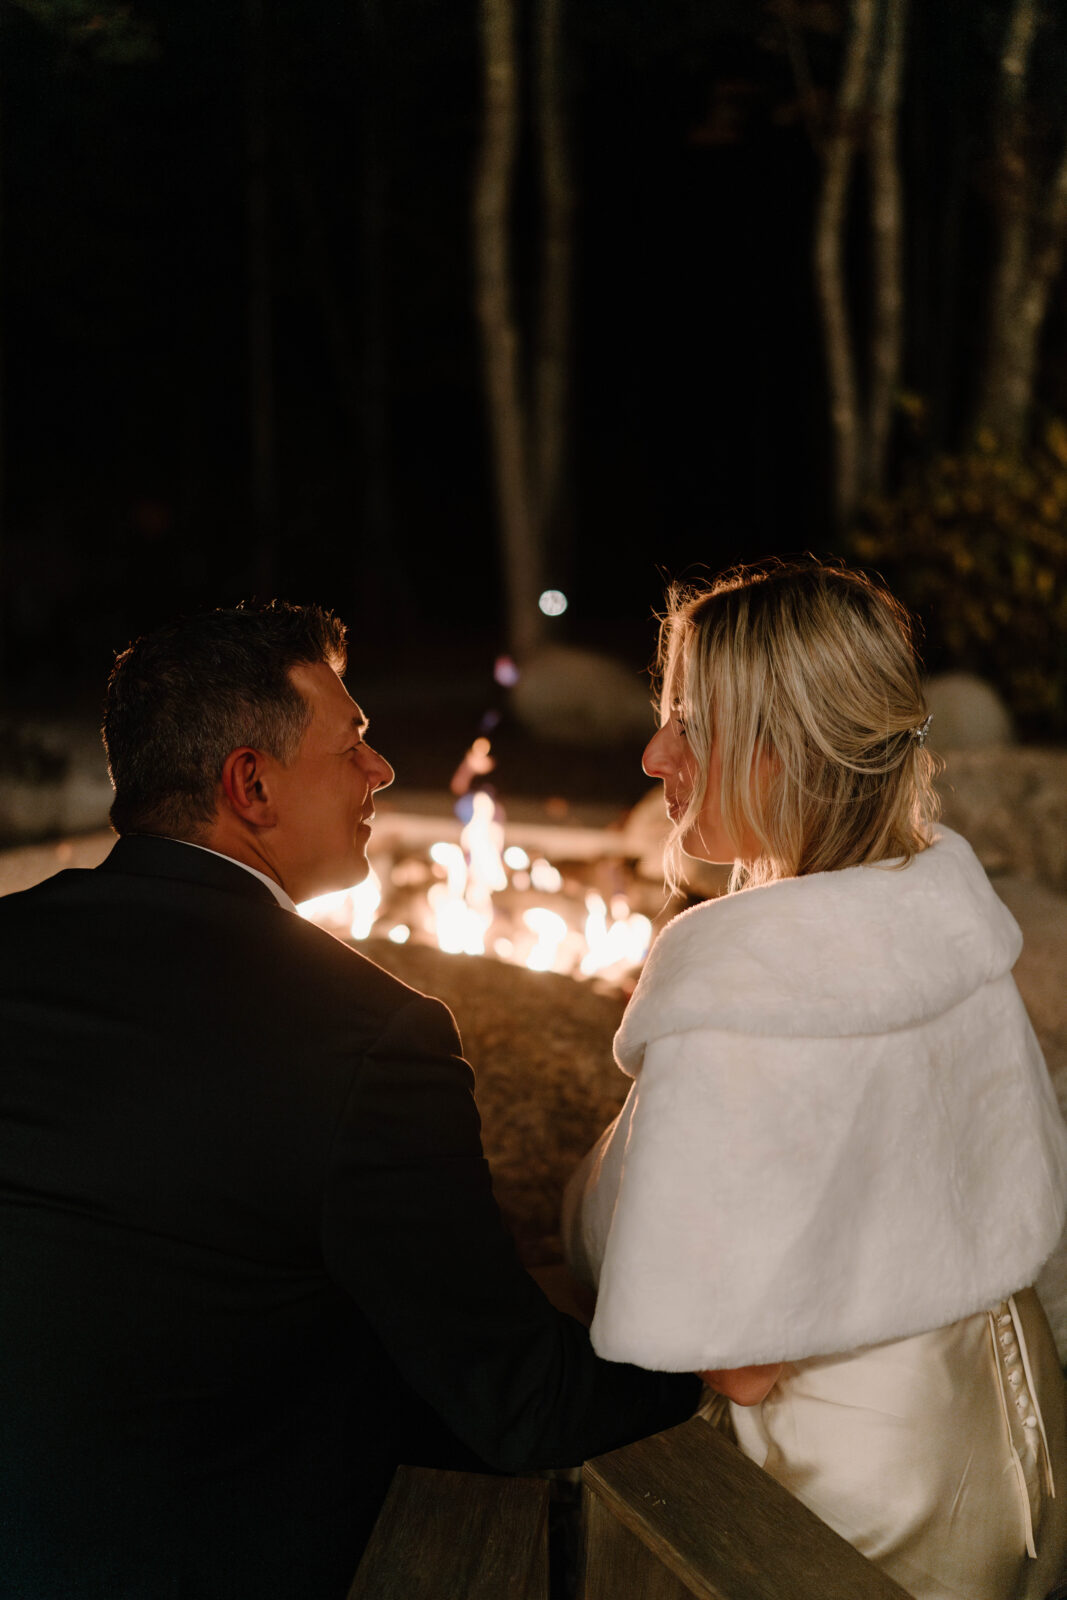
pixel 808 672
pixel 180 699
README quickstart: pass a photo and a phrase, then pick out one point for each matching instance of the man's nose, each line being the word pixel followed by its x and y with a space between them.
pixel 382 774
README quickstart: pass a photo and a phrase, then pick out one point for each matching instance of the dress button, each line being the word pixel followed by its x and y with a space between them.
pixel 1007 1339
pixel 1005 1319
pixel 1029 1422
pixel 1015 1377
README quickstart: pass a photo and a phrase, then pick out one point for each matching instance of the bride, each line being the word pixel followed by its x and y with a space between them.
pixel 841 1164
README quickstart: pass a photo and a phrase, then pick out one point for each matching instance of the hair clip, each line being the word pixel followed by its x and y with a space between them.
pixel 919 733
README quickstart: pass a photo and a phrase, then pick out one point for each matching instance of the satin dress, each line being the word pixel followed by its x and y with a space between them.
pixel 941 1457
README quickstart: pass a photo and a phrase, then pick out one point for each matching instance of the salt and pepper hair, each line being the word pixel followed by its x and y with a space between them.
pixel 805 676
pixel 182 698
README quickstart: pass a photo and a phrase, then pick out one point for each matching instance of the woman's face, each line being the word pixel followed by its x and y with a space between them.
pixel 668 757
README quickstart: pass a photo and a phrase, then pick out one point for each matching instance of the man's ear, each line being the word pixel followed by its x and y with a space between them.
pixel 247 789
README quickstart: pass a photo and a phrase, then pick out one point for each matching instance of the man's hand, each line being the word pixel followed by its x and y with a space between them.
pixel 745 1386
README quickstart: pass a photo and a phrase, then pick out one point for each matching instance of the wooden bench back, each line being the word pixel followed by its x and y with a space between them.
pixel 686 1514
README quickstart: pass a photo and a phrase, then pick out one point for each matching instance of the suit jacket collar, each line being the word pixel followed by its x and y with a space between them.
pixel 145 855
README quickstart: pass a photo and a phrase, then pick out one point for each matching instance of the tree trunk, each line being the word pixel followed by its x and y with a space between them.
pixel 374 327
pixel 1006 387
pixel 887 310
pixel 553 333
pixel 260 318
pixel 838 156
pixel 3 430
pixel 508 422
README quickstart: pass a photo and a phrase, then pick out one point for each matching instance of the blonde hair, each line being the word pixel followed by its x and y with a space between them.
pixel 805 676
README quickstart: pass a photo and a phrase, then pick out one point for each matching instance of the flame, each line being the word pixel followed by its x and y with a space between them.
pixel 458 927
pixel 483 840
pixel 623 942
pixel 549 930
pixel 365 899
pixel 354 910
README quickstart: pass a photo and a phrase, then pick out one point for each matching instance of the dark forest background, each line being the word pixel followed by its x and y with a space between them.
pixel 242 353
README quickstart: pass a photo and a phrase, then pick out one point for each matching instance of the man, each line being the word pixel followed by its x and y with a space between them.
pixel 249 1255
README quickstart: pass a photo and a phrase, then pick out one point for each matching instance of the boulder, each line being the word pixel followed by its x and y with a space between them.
pixel 968 713
pixel 1010 803
pixel 568 695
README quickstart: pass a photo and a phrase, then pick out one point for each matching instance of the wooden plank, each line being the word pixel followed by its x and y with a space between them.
pixel 442 1535
pixel 717 1526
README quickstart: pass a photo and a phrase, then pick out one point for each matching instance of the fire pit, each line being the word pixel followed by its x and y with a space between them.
pixel 548 898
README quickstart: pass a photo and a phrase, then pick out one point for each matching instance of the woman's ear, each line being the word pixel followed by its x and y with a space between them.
pixel 247 789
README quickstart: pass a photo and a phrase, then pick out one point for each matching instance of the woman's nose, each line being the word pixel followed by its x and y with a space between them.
pixel 656 759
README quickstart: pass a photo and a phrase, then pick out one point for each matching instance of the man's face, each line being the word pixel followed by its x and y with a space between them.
pixel 325 795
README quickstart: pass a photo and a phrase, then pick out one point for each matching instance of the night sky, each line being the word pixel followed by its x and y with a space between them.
pixel 698 432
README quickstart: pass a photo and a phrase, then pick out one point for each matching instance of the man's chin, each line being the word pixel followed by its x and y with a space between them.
pixel 347 874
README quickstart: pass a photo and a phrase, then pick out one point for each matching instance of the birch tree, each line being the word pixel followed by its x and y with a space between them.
pixel 863 119
pixel 1031 217
pixel 526 369
pixel 259 322
pixel 508 426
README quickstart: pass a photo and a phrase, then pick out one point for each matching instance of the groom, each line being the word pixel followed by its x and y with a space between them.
pixel 249 1254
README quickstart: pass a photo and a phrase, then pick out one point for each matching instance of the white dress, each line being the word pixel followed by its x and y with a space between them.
pixel 841 1137
pixel 936 1456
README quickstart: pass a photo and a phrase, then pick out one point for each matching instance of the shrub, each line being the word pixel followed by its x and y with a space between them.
pixel 976 545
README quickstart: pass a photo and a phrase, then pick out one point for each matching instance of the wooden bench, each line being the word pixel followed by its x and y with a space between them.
pixel 457 1536
pixel 679 1515
pixel 686 1514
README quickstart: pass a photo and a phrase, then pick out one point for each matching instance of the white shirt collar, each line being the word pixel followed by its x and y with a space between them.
pixel 275 888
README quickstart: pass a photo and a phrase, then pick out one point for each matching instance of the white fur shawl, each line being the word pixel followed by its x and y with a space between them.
pixel 841 1129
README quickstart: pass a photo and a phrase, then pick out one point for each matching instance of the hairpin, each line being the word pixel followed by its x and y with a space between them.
pixel 919 733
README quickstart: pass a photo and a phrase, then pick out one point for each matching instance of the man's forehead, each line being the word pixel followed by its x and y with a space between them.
pixel 333 706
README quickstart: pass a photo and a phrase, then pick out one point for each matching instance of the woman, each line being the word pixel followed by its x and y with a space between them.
pixel 841 1163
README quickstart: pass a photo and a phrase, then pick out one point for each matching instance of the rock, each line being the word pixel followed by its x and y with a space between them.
pixel 968 713
pixel 574 696
pixel 53 780
pixel 1010 803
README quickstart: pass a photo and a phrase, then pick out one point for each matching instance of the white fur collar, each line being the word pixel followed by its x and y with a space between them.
pixel 841 1131
pixel 863 950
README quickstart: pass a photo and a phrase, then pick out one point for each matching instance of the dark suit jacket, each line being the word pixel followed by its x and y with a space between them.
pixel 249 1254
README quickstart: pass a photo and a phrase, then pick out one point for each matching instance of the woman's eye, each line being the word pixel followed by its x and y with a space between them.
pixel 681 726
